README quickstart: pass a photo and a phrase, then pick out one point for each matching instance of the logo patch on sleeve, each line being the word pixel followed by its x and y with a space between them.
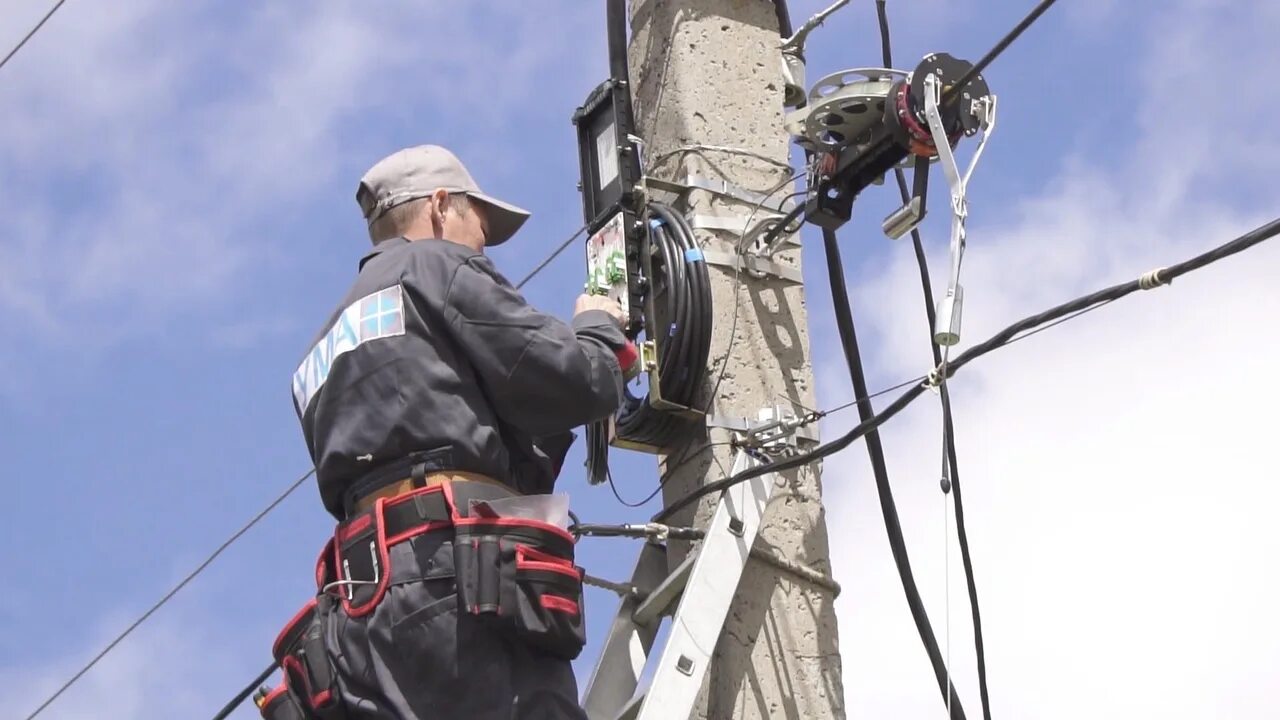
pixel 374 316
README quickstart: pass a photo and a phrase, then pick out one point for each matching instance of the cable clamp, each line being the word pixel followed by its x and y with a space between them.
pixel 776 429
pixel 753 265
pixel 657 531
pixel 934 379
pixel 1151 280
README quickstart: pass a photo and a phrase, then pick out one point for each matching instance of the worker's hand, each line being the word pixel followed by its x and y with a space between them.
pixel 599 302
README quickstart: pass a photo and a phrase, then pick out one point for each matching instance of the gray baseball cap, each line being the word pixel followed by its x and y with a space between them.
pixel 417 172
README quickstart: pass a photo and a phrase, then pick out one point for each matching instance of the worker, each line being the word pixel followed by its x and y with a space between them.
pixel 432 390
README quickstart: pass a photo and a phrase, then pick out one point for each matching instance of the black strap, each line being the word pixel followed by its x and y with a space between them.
pixel 418 475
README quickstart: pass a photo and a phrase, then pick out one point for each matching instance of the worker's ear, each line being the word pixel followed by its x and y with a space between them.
pixel 438 206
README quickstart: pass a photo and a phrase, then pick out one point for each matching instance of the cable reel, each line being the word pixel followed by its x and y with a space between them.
pixel 863 122
pixel 906 114
pixel 674 287
pixel 842 108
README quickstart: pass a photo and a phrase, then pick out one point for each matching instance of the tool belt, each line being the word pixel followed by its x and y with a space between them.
pixel 516 573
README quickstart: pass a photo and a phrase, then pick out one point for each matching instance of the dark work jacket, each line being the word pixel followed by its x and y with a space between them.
pixel 433 355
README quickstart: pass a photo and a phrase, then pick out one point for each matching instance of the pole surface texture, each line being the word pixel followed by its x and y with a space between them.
pixel 708 72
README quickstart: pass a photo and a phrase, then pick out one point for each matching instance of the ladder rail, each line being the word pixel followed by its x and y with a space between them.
pixel 702 588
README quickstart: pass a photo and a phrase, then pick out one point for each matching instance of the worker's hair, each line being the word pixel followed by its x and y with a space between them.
pixel 397 221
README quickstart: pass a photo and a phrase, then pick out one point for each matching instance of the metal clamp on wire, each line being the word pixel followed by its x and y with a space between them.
pixel 775 431
pixel 936 377
pixel 1152 280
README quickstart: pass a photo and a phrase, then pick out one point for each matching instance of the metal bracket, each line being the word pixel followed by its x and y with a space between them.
pixel 748 238
pixel 716 186
pixel 775 428
pixel 753 265
pixel 947 331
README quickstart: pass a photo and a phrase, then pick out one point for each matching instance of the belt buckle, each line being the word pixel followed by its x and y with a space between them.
pixel 349 583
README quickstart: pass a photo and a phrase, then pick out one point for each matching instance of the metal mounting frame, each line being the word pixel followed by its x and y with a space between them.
pixel 778 429
pixel 753 265
pixel 716 186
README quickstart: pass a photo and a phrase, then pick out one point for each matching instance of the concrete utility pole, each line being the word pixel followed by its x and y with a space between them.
pixel 708 72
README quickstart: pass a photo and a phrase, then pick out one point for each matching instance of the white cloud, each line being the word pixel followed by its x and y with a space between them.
pixel 1117 470
pixel 153 142
pixel 175 666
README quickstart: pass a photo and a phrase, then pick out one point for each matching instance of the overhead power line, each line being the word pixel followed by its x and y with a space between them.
pixel 1007 336
pixel 32 33
pixel 554 254
pixel 1001 46
pixel 254 684
pixel 169 595
pixel 948 423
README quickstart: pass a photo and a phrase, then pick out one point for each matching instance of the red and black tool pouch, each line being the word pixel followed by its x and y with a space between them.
pixel 520 573
pixel 308 672
pixel 280 705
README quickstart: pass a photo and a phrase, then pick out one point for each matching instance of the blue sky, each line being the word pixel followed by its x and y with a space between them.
pixel 179 217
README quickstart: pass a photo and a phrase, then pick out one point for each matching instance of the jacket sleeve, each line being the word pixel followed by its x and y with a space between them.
pixel 542 375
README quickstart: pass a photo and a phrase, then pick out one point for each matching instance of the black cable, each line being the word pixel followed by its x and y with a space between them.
pixel 948 425
pixel 1000 47
pixel 679 285
pixel 615 17
pixel 680 279
pixel 230 707
pixel 169 595
pixel 888 509
pixel 554 254
pixel 31 33
pixel 593 530
pixel 949 440
pixel 1007 336
pixel 784 18
pixel 692 454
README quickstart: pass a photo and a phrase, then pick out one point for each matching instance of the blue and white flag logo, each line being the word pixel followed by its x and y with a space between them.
pixel 374 316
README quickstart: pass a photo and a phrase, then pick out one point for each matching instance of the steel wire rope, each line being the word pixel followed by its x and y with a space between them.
pixel 30 34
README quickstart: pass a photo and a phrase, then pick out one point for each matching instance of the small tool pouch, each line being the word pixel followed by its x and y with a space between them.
pixel 520 574
pixel 280 705
pixel 308 672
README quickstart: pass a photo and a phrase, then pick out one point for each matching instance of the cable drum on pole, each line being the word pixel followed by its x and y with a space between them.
pixel 680 280
pixel 677 341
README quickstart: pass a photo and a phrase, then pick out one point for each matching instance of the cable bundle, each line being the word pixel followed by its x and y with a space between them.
pixel 679 287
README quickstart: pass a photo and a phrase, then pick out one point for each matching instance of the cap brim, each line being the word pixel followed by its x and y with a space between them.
pixel 505 219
